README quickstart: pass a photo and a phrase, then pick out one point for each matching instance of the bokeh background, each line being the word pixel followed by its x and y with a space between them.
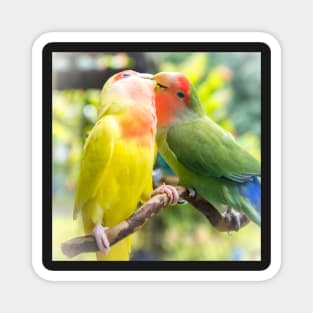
pixel 228 85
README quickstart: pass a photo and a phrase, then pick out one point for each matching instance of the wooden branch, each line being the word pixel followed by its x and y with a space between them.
pixel 127 227
pixel 116 233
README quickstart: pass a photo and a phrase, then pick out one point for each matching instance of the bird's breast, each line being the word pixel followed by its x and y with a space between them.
pixel 139 123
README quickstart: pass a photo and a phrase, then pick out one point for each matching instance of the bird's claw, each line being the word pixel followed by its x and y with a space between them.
pixel 170 191
pixel 192 192
pixel 234 219
pixel 101 238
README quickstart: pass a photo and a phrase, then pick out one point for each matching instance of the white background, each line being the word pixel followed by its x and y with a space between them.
pixel 21 23
pixel 38 46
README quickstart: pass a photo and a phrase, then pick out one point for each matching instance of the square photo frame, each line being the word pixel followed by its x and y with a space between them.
pixel 69 69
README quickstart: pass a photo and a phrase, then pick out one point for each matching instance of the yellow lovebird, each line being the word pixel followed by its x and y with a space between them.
pixel 117 161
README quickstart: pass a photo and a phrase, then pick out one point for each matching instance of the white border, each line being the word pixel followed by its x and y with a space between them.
pixel 274 267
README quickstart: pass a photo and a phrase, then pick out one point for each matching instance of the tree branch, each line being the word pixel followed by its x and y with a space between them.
pixel 127 227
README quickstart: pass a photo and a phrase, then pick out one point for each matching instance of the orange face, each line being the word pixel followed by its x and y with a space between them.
pixel 172 93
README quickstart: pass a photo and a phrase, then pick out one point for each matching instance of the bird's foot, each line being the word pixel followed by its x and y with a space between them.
pixel 101 238
pixel 234 220
pixel 191 192
pixel 170 191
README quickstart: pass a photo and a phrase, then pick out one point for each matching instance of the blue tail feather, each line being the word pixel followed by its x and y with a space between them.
pixel 252 191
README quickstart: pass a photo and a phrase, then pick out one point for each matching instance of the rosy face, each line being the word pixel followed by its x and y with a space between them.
pixel 136 94
pixel 132 86
pixel 172 94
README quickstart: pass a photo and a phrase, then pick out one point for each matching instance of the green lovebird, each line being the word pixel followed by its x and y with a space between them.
pixel 203 155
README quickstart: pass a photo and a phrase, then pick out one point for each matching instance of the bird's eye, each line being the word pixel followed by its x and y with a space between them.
pixel 180 95
pixel 126 75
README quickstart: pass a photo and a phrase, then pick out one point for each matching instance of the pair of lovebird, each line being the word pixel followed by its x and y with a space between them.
pixel 137 115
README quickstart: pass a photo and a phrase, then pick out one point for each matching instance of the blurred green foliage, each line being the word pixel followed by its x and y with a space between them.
pixel 228 85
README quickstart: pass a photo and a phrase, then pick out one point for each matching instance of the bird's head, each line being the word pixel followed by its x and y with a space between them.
pixel 121 75
pixel 125 89
pixel 172 96
pixel 126 74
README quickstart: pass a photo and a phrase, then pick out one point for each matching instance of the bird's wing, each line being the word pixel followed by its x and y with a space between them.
pixel 208 150
pixel 96 155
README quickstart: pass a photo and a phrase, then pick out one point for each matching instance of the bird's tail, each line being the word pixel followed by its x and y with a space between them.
pixel 118 252
pixel 251 191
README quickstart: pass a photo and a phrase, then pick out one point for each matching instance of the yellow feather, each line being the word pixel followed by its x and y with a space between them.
pixel 117 164
pixel 96 154
pixel 122 183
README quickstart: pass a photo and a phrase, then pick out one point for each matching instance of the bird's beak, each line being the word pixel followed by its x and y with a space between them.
pixel 146 75
pixel 161 81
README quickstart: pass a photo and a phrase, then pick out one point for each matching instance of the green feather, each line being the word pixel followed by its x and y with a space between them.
pixel 208 159
pixel 205 148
